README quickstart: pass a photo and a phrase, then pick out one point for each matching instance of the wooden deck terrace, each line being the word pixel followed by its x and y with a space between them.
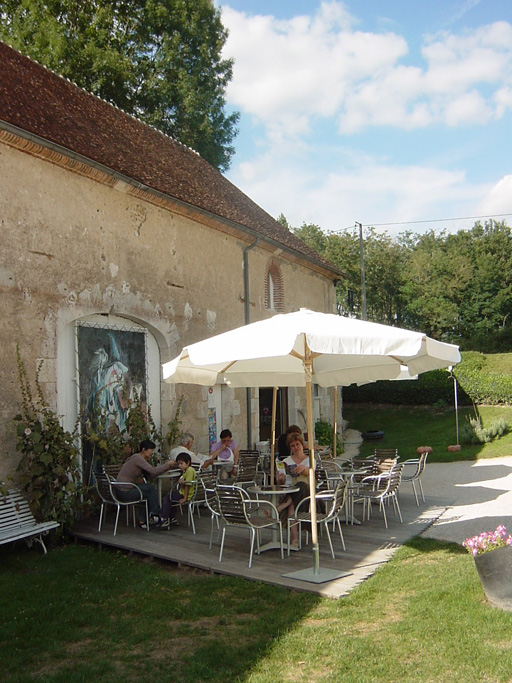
pixel 368 545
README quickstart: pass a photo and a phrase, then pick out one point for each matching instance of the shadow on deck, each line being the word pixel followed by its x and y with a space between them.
pixel 369 545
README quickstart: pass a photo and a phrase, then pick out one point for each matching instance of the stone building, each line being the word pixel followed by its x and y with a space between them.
pixel 119 246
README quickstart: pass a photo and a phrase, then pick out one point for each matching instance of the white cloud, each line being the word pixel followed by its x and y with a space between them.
pixel 468 108
pixel 289 73
pixel 503 99
pixel 292 77
pixel 499 199
pixel 371 191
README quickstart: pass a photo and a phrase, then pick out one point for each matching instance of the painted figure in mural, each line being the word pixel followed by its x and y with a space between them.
pixel 110 387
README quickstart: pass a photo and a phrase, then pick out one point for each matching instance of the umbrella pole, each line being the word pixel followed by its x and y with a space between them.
pixel 312 481
pixel 314 575
pixel 335 427
pixel 273 437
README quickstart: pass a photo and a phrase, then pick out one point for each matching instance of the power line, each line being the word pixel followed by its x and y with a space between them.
pixel 435 220
pixel 430 220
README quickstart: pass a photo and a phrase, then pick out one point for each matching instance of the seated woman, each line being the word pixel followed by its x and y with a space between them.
pixel 135 467
pixel 297 467
pixel 282 443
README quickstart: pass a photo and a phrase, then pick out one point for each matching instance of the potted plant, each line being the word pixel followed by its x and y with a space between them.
pixel 492 553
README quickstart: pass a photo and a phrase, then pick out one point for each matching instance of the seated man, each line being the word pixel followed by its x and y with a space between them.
pixel 185 445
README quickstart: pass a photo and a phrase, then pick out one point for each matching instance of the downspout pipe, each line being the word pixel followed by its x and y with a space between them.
pixel 247 321
pixel 336 282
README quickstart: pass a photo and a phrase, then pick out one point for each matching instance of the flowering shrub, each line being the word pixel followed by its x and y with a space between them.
pixel 487 541
pixel 48 471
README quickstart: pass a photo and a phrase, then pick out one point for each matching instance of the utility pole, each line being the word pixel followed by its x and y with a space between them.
pixel 363 279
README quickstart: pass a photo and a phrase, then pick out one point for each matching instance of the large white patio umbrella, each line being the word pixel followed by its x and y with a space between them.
pixel 305 347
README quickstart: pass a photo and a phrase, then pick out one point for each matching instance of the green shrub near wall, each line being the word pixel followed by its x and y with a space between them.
pixel 476 383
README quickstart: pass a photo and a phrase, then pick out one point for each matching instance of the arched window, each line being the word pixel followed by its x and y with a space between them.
pixel 270 284
pixel 274 289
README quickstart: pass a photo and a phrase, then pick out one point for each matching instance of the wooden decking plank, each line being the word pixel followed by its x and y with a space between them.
pixel 368 546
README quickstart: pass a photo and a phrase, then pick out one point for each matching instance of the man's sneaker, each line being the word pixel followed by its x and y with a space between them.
pixel 173 522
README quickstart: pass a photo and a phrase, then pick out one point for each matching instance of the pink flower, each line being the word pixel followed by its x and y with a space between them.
pixel 28 431
pixel 487 541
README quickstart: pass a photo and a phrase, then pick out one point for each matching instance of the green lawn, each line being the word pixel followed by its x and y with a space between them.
pixel 407 427
pixel 79 614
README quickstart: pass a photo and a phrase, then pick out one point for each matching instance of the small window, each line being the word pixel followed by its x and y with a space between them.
pixel 274 290
pixel 270 292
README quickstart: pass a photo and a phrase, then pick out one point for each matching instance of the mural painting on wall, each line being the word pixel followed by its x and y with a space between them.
pixel 212 426
pixel 112 372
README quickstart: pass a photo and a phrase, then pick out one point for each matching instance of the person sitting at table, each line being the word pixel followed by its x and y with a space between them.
pixel 183 493
pixel 297 467
pixel 297 474
pixel 185 445
pixel 282 443
pixel 226 451
pixel 135 467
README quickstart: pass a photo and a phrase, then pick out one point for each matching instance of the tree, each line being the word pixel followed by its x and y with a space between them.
pixel 159 60
pixel 283 221
pixel 330 247
pixel 435 280
pixel 384 263
pixel 487 304
pixel 313 236
pixel 454 287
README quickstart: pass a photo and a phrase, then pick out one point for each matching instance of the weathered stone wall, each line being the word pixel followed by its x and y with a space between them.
pixel 73 247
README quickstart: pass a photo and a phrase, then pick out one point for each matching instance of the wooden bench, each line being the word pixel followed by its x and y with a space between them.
pixel 17 521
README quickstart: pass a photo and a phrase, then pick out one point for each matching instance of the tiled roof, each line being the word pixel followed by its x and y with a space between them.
pixel 41 102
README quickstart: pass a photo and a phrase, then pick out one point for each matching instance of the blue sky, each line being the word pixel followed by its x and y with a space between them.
pixel 379 111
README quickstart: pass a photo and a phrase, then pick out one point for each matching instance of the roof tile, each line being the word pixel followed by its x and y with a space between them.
pixel 51 107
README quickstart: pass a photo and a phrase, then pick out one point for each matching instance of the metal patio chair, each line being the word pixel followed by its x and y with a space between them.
pixel 380 488
pixel 106 487
pixel 238 510
pixel 247 470
pixel 415 476
pixel 208 482
pixel 193 504
pixel 333 504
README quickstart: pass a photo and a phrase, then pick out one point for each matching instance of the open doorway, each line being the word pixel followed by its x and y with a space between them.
pixel 266 412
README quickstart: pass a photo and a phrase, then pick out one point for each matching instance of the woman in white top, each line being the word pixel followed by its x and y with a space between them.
pixel 297 469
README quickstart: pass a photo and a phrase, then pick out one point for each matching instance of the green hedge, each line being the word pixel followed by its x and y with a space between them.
pixel 474 384
pixel 483 387
pixel 428 389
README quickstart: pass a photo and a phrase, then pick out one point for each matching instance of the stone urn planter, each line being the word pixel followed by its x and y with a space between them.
pixel 495 571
